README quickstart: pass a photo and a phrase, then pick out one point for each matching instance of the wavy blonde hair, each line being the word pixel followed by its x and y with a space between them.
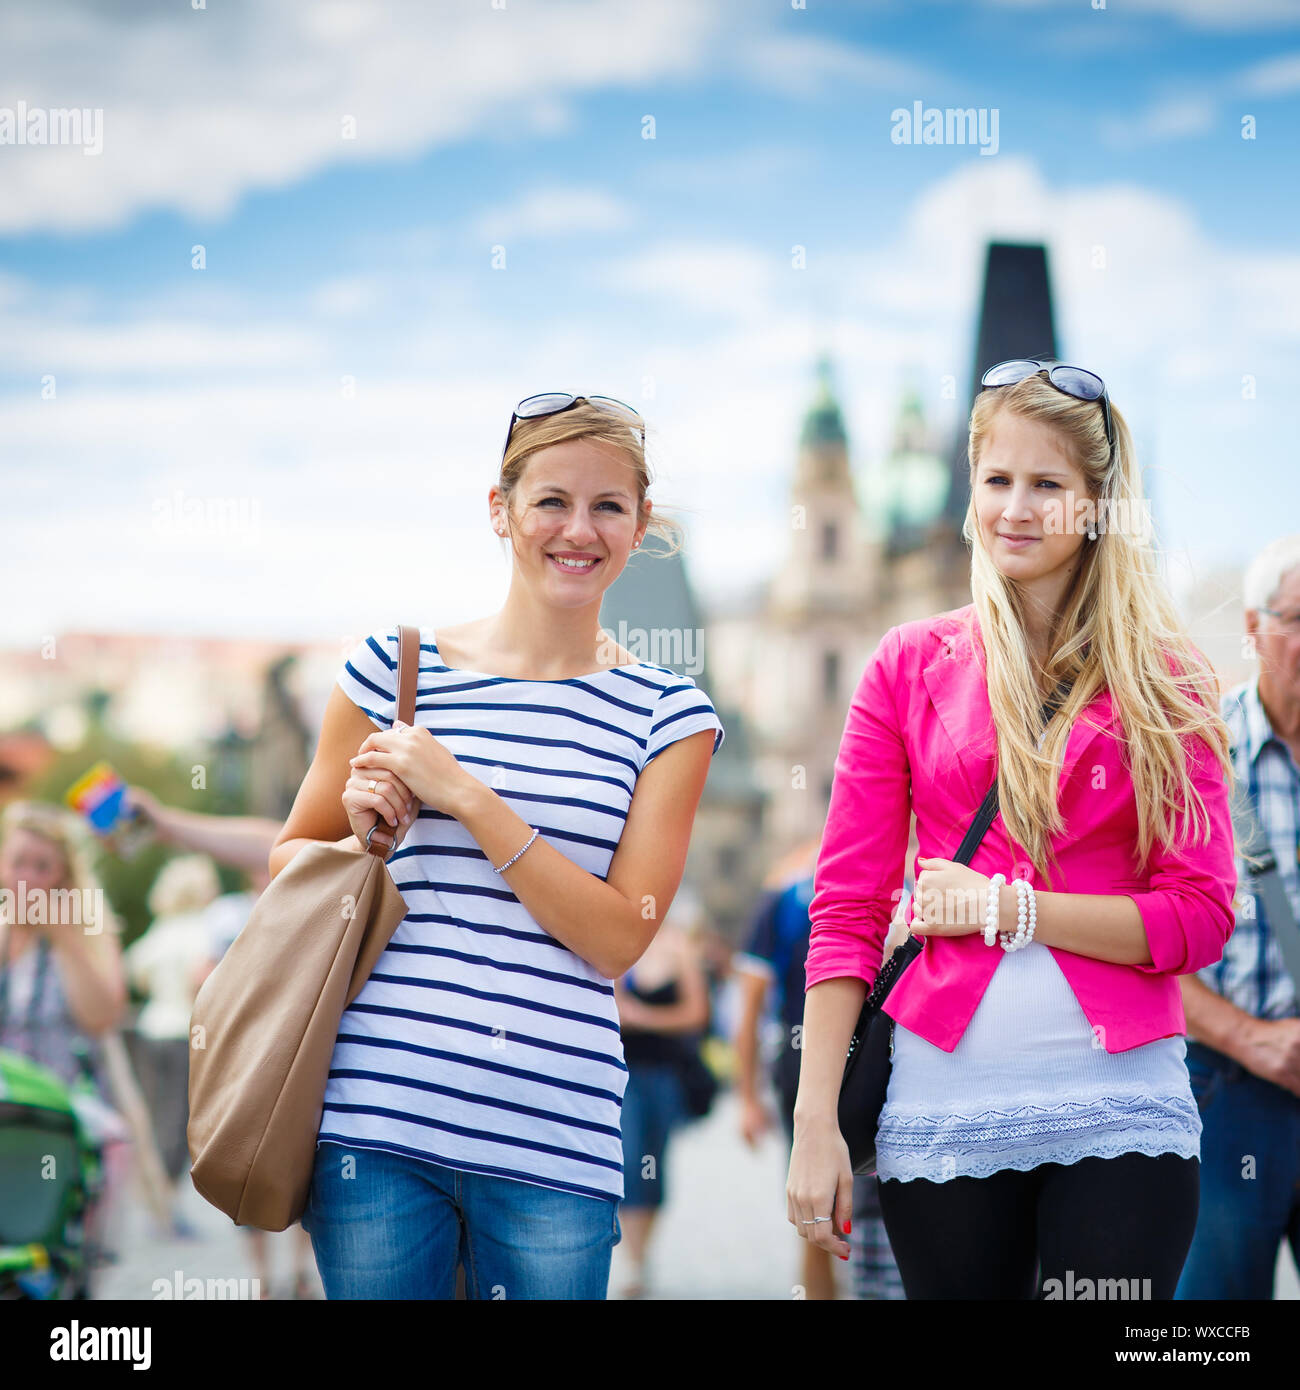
pixel 66 832
pixel 585 421
pixel 1117 629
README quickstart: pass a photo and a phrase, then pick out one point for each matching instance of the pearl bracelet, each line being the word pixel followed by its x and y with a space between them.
pixel 1027 917
pixel 513 857
pixel 991 912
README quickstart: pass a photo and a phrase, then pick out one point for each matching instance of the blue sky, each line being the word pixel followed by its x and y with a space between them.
pixel 341 371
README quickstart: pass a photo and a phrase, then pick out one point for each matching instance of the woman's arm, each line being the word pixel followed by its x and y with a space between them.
pixel 690 1014
pixel 858 882
pixel 90 970
pixel 1105 926
pixel 821 1179
pixel 318 815
pixel 609 923
pixel 241 841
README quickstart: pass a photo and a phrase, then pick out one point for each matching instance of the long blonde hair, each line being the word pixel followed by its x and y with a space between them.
pixel 1117 629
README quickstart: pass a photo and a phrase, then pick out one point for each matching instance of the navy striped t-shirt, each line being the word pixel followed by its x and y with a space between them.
pixel 480 1041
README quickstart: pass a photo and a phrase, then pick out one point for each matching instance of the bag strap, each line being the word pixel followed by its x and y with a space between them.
pixel 408 670
pixel 1265 880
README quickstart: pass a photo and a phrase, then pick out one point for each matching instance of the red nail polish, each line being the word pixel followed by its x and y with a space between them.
pixel 848 1226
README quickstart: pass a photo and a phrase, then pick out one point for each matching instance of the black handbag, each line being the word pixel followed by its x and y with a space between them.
pixel 699 1085
pixel 871 1048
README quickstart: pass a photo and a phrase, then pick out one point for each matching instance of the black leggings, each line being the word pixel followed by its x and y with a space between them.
pixel 1006 1235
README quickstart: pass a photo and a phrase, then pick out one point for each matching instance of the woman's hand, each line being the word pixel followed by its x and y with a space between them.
pixel 950 899
pixel 155 813
pixel 755 1120
pixel 415 761
pixel 391 799
pixel 820 1185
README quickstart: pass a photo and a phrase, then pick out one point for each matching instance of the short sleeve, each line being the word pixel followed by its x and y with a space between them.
pixel 369 677
pixel 681 709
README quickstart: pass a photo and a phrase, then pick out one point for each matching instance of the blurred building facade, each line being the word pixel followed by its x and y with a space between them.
pixel 791 654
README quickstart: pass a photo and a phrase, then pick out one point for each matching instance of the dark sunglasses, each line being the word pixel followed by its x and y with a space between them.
pixel 555 402
pixel 1073 381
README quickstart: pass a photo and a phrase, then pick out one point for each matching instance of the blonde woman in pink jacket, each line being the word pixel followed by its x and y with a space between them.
pixel 1039 1129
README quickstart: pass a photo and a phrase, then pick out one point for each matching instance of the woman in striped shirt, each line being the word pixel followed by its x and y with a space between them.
pixel 472 1109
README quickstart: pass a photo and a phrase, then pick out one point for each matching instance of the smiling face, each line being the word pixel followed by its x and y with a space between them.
pixel 573 519
pixel 1028 496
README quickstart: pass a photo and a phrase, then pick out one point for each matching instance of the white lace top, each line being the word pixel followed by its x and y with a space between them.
pixel 1029 1083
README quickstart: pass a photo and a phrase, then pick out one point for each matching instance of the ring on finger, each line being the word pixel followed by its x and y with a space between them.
pixel 372 786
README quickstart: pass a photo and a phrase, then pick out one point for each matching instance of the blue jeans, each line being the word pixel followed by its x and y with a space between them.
pixel 385 1225
pixel 653 1107
pixel 1250 1168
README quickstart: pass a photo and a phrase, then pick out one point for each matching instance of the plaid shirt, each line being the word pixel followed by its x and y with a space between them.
pixel 1252 973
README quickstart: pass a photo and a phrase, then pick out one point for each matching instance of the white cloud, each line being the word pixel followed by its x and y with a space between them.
pixel 728 278
pixel 1224 15
pixel 1171 119
pixel 546 212
pixel 348 295
pixel 201 107
pixel 1272 77
pixel 1194 113
pixel 154 345
pixel 748 168
pixel 806 65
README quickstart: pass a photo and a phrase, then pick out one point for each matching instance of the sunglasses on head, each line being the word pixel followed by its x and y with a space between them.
pixel 1073 381
pixel 554 402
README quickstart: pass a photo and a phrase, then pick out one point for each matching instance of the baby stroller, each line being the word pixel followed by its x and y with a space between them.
pixel 51 1175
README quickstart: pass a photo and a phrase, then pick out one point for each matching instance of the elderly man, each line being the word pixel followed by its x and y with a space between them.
pixel 1243 1048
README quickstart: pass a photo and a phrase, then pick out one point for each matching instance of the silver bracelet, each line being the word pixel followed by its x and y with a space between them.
pixel 512 859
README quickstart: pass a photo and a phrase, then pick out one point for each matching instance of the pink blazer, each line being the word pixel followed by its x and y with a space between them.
pixel 920 735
